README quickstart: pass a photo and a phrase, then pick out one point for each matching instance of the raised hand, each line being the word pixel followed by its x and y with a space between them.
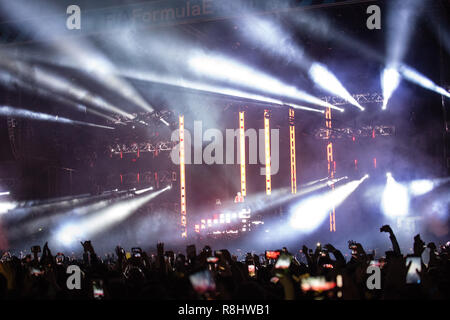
pixel 386 228
pixel 360 250
pixel 337 254
pixel 330 247
pixel 305 250
pixel 46 258
pixel 419 246
pixel 119 252
pixel 87 246
pixel 395 245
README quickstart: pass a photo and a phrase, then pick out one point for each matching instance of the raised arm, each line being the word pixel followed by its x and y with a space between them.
pixel 395 246
pixel 337 254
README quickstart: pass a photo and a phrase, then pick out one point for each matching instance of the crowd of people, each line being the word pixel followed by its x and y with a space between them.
pixel 208 274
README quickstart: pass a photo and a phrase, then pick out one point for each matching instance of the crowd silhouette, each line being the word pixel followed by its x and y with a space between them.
pixel 219 275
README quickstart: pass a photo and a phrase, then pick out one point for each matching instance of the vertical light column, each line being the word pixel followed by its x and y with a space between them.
pixel 267 152
pixel 292 147
pixel 182 180
pixel 331 165
pixel 242 152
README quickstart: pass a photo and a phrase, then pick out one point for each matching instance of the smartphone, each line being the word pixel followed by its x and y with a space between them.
pixel 136 250
pixel 97 289
pixel 202 282
pixel 36 272
pixel 375 263
pixel 317 284
pixel 283 262
pixel 412 276
pixel 272 254
pixel 274 280
pixel 212 259
pixel 339 281
pixel 59 258
pixel 352 246
pixel 251 270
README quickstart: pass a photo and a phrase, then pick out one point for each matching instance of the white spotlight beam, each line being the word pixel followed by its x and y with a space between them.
pixel 8 80
pixel 316 181
pixel 57 84
pixel 320 26
pixel 419 79
pixel 330 83
pixel 395 198
pixel 421 187
pixel 104 219
pixel 390 79
pixel 272 37
pixel 197 86
pixel 296 106
pixel 424 186
pixel 6 206
pixel 309 213
pixel 103 71
pixel 401 20
pixel 259 202
pixel 80 53
pixel 143 190
pixel 232 72
pixel 22 113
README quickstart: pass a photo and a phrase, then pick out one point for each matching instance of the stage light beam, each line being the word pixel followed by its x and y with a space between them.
pixel 143 190
pixel 27 114
pixel 6 206
pixel 310 213
pixel 419 79
pixel 326 80
pixel 233 72
pixel 103 219
pixel 395 198
pixel 208 88
pixel 421 187
pixel 390 80
pixel 274 38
